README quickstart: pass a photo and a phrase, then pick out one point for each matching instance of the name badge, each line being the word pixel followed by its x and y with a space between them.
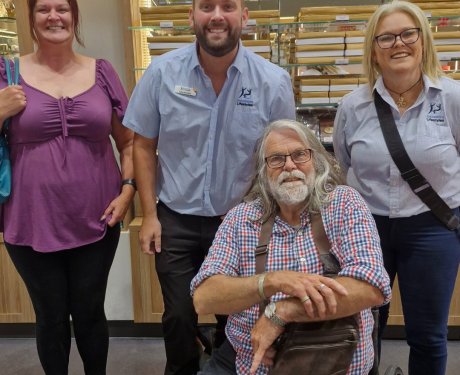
pixel 182 90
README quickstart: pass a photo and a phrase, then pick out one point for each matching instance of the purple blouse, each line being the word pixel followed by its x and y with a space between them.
pixel 64 171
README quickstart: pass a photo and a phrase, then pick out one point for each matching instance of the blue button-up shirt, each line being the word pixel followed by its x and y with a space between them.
pixel 430 131
pixel 206 142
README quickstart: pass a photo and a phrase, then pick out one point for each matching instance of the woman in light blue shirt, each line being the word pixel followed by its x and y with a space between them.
pixel 401 64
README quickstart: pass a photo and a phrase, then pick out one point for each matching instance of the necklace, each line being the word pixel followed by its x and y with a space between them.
pixel 401 102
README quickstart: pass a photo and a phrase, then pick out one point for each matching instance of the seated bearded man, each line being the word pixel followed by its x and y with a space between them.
pixel 296 177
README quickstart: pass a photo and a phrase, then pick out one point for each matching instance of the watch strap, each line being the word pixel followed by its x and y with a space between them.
pixel 271 315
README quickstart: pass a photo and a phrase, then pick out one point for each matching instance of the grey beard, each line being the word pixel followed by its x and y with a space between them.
pixel 291 195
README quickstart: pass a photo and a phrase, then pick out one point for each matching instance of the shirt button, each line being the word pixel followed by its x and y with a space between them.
pixel 303 260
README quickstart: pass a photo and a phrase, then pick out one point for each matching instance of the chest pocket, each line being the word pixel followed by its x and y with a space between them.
pixel 435 124
pixel 246 127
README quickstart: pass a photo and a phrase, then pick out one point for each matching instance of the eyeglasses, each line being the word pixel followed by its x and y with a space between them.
pixel 408 36
pixel 298 157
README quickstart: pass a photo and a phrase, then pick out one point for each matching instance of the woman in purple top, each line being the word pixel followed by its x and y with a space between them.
pixel 61 222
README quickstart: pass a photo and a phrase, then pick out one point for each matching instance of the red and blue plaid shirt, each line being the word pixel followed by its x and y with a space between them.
pixel 355 243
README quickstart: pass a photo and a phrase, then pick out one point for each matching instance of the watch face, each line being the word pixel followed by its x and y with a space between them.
pixel 270 310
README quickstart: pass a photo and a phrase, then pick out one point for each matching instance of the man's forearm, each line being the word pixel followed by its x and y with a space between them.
pixel 145 170
pixel 222 294
pixel 361 295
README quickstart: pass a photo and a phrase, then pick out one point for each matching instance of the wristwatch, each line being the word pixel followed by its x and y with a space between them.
pixel 270 313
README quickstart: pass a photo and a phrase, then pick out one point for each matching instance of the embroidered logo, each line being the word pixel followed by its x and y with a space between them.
pixel 436 114
pixel 245 98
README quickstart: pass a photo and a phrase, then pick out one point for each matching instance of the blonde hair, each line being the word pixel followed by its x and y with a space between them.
pixel 430 62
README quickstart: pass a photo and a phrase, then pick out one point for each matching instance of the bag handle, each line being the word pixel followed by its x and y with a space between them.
pixel 11 81
pixel 419 185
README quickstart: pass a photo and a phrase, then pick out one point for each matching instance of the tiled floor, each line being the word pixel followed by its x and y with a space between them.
pixel 137 356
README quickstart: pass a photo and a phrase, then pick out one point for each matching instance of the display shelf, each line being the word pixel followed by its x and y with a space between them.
pixel 7 20
pixel 299 47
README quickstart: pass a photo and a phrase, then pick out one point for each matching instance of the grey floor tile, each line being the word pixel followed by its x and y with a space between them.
pixel 145 356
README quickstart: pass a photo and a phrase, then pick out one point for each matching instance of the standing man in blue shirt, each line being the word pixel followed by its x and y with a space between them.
pixel 202 108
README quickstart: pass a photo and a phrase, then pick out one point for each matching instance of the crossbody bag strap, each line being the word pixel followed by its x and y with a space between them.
pixel 261 252
pixel 419 185
pixel 319 234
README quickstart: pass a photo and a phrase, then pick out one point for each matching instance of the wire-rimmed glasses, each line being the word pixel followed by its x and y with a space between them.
pixel 298 157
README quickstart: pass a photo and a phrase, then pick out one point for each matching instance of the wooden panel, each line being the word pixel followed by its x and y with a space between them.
pixel 396 316
pixel 26 44
pixel 147 299
pixel 15 305
pixel 454 313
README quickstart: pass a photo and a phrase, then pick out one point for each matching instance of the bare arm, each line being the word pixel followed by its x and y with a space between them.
pixel 220 294
pixel 123 138
pixel 12 101
pixel 361 295
pixel 145 170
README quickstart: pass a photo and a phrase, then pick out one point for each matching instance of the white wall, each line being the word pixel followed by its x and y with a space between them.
pixel 101 29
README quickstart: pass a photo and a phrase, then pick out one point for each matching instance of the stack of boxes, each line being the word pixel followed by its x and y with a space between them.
pixel 256 36
pixel 444 18
pixel 329 47
pixel 327 36
pixel 172 30
pixel 326 89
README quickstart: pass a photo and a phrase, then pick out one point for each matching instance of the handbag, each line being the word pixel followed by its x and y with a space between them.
pixel 5 165
pixel 317 348
pixel 419 185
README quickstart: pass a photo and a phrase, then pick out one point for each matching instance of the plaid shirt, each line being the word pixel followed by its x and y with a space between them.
pixel 355 243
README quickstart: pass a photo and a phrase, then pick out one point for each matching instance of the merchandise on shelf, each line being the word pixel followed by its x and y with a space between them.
pixel 322 47
pixel 335 13
pixel 162 44
pixel 8 35
pixel 165 16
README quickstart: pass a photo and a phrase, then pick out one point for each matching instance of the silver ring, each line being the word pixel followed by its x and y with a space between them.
pixel 321 286
pixel 305 299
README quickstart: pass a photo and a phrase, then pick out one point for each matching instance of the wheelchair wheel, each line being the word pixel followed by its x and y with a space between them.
pixel 394 370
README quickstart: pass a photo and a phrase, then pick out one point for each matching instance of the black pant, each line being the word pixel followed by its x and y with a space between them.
pixel 222 361
pixel 69 282
pixel 185 241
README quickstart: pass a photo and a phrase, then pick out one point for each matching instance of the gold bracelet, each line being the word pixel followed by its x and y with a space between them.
pixel 261 280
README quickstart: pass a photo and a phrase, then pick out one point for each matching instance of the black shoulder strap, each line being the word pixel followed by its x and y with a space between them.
pixel 419 185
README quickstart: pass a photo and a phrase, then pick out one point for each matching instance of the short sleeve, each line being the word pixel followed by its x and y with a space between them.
pixel 356 240
pixel 339 138
pixel 107 78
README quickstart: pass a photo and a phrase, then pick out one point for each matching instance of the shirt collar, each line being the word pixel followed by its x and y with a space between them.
pixel 238 63
pixel 427 84
pixel 255 214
